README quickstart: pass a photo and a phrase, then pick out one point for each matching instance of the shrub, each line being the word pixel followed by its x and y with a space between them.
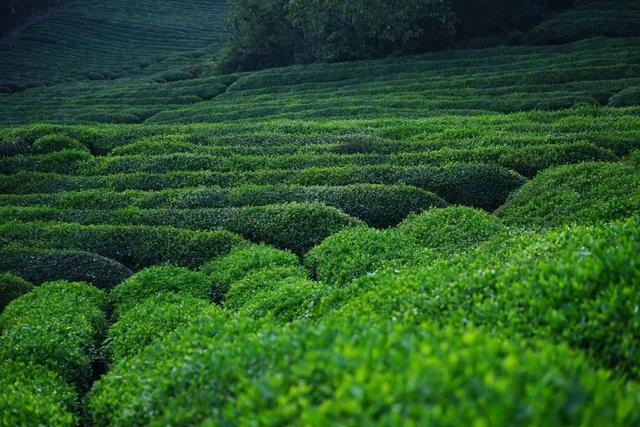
pixel 45 265
pixel 11 287
pixel 134 246
pixel 295 226
pixel 586 193
pixel 226 270
pixel 356 252
pixel 531 160
pixel 242 292
pixel 64 161
pixel 156 280
pixel 56 142
pixel 626 98
pixel 33 395
pixel 361 373
pixel 450 230
pixel 292 299
pixel 577 285
pixel 56 326
pixel 150 319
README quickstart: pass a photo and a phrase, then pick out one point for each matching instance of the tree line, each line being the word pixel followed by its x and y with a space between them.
pixel 269 33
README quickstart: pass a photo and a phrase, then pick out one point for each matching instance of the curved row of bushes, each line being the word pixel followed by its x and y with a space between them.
pixel 480 185
pixel 135 247
pixel 588 193
pixel 44 265
pixel 294 226
pixel 368 372
pixel 377 205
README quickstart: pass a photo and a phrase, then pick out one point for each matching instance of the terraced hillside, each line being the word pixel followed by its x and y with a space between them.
pixel 446 239
pixel 93 40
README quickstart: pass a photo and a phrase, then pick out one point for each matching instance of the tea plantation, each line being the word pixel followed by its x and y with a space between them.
pixel 444 239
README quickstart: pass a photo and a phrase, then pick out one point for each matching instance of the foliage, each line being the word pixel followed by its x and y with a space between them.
pixel 450 230
pixel 157 280
pixel 150 319
pixel 11 287
pixel 56 326
pixel 56 142
pixel 225 271
pixel 359 251
pixel 33 395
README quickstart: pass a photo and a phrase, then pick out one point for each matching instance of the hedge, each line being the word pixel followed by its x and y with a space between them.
pixel 243 291
pixel 56 326
pixel 485 186
pixel 11 287
pixel 33 395
pixel 156 280
pixel 241 261
pixel 360 373
pixel 587 193
pixel 45 265
pixel 134 246
pixel 150 319
pixel 577 285
pixel 292 299
pixel 450 230
pixel 356 252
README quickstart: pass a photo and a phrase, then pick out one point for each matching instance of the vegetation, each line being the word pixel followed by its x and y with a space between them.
pixel 441 229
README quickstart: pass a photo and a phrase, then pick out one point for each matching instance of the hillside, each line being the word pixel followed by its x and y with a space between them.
pixel 448 239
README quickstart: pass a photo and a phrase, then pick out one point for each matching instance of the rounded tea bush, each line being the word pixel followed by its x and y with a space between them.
pixel 626 98
pixel 244 290
pixel 450 230
pixel 56 142
pixel 56 325
pixel 150 320
pixel 11 287
pixel 241 261
pixel 156 280
pixel 218 371
pixel 34 395
pixel 356 252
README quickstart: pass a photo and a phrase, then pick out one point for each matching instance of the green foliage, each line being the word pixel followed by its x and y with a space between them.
pixel 226 270
pixel 356 252
pixel 576 285
pixel 150 319
pixel 56 142
pixel 45 265
pixel 291 299
pixel 294 226
pixel 626 97
pixel 359 373
pixel 245 290
pixel 450 230
pixel 56 326
pixel 134 246
pixel 11 287
pixel 33 395
pixel 156 280
pixel 587 193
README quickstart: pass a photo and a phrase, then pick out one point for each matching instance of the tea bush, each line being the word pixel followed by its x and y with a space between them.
pixel 243 291
pixel 359 373
pixel 626 97
pixel 356 252
pixel 150 319
pixel 577 285
pixel 134 246
pixel 45 265
pixel 587 193
pixel 11 287
pixel 57 326
pixel 33 395
pixel 156 280
pixel 450 230
pixel 56 142
pixel 241 261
